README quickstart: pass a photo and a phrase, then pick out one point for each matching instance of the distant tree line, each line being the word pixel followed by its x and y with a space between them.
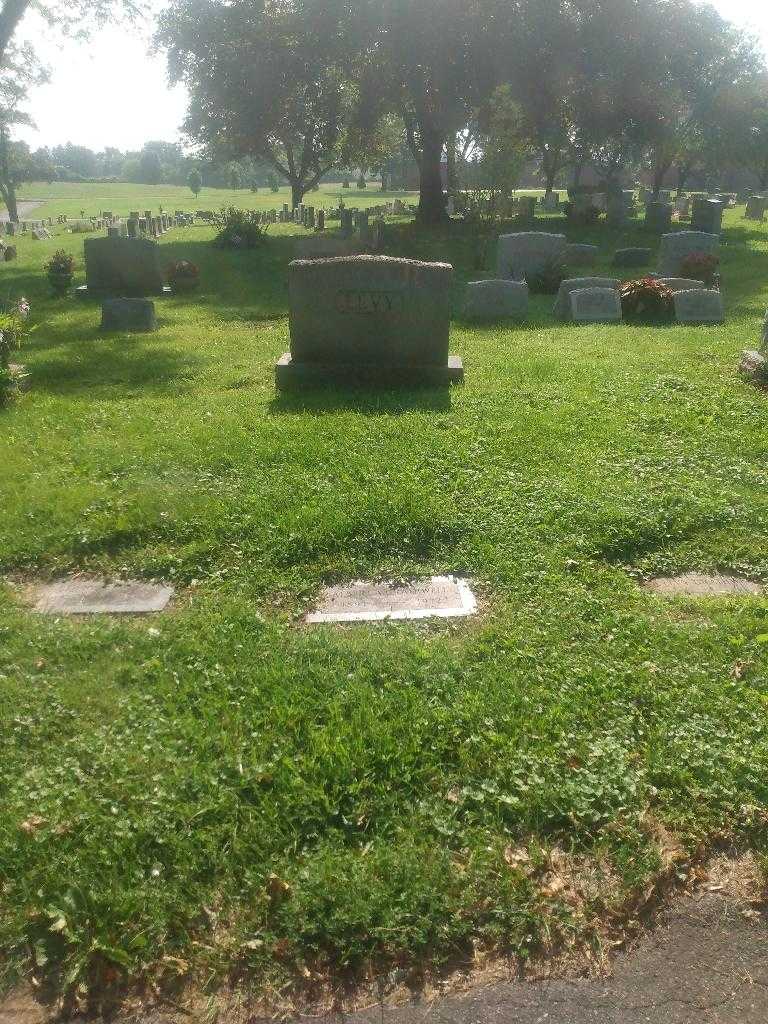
pixel 482 86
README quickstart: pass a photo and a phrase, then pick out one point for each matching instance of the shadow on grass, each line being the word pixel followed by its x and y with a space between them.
pixel 106 361
pixel 371 401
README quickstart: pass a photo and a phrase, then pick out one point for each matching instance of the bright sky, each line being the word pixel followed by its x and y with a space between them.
pixel 112 90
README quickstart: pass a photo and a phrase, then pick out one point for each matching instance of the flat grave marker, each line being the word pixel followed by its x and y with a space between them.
pixel 99 597
pixel 436 597
pixel 696 584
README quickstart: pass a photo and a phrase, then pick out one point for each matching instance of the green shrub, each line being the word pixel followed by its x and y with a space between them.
pixel 547 281
pixel 237 229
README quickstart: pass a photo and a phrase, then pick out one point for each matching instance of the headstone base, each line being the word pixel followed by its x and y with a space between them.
pixel 290 375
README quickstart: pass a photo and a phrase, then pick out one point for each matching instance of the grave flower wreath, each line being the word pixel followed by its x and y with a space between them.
pixel 647 299
pixel 701 266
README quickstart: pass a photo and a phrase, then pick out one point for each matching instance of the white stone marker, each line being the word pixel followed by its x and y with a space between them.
pixel 699 306
pixel 97 597
pixel 595 305
pixel 438 597
pixel 496 300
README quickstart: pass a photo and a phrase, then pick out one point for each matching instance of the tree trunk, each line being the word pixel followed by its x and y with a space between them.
pixel 764 177
pixel 9 195
pixel 431 197
pixel 297 193
pixel 578 168
pixel 452 173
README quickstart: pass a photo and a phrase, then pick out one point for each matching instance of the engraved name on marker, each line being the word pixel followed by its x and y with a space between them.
pixel 350 300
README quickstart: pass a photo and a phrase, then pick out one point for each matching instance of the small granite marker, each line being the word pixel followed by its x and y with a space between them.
pixel 527 252
pixel 438 597
pixel 562 307
pixel 595 305
pixel 98 597
pixel 699 306
pixel 632 257
pixel 496 300
pixel 580 255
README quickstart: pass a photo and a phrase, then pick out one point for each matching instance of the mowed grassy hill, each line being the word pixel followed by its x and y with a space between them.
pixel 70 198
pixel 221 792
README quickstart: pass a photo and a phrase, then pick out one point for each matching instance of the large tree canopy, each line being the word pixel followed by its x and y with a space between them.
pixel 270 80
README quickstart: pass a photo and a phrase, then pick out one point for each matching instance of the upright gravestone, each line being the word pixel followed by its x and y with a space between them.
pixel 370 318
pixel 678 245
pixel 526 253
pixel 755 209
pixel 707 216
pixel 496 300
pixel 320 220
pixel 699 306
pixel 616 210
pixel 658 217
pixel 562 307
pixel 595 305
pixel 121 267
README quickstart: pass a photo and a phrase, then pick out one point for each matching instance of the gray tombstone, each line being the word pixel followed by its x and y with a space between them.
pixel 368 317
pixel 755 209
pixel 632 257
pixel 320 220
pixel 128 315
pixel 526 253
pixel 10 253
pixel 496 300
pixel 707 216
pixel 562 307
pixel 347 223
pixel 677 245
pixel 699 306
pixel 578 254
pixel 121 267
pixel 617 210
pixel 595 305
pixel 658 217
pixel 680 284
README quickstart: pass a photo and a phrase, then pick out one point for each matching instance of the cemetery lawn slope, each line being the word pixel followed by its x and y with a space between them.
pixel 219 791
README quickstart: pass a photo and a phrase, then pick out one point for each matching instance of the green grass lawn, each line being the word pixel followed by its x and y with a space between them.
pixel 120 198
pixel 254 798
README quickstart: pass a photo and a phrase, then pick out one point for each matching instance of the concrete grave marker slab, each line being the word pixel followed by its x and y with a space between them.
pixel 496 300
pixel 562 307
pixel 595 305
pixel 699 306
pixel 437 597
pixel 375 318
pixel 695 584
pixel 677 245
pixel 98 597
pixel 525 253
